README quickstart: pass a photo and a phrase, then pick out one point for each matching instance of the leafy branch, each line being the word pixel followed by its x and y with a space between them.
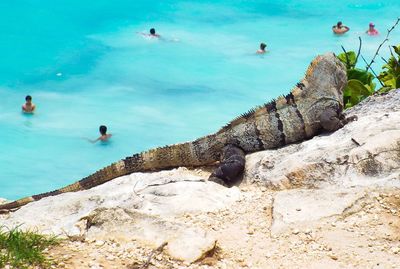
pixel 373 72
pixel 360 81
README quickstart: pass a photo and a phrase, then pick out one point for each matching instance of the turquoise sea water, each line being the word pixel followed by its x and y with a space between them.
pixel 150 92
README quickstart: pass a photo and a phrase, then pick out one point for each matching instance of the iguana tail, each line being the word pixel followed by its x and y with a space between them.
pixel 202 151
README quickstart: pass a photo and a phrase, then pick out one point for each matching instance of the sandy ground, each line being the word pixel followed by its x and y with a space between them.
pixel 367 236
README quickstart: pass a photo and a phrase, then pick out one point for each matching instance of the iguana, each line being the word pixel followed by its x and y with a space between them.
pixel 315 104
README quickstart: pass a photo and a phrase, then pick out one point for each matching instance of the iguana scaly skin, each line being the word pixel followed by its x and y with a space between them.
pixel 313 105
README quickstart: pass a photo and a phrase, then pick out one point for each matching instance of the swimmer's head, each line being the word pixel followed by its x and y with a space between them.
pixel 339 24
pixel 263 46
pixel 28 98
pixel 152 31
pixel 103 129
pixel 371 25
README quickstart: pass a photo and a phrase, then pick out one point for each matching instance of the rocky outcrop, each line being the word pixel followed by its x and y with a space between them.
pixel 364 152
pixel 136 207
pixel 329 202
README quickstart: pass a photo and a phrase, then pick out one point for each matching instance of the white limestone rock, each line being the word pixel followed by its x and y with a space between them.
pixel 364 152
pixel 299 207
pixel 139 206
pixel 184 243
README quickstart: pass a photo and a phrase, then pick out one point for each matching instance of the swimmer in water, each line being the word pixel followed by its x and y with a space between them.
pixel 152 33
pixel 28 107
pixel 262 50
pixel 339 28
pixel 371 30
pixel 103 135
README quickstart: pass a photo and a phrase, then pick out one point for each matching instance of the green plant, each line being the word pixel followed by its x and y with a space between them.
pixel 24 249
pixel 390 76
pixel 349 59
pixel 359 81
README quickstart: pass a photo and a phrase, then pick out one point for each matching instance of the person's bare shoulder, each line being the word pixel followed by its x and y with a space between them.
pixel 105 137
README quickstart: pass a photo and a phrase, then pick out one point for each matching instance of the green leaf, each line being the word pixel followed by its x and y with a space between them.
pixel 397 83
pixel 361 75
pixel 354 92
pixel 397 49
pixel 356 87
pixel 384 89
pixel 370 88
pixel 388 79
pixel 350 60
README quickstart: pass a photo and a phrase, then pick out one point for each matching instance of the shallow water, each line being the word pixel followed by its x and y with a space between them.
pixel 150 92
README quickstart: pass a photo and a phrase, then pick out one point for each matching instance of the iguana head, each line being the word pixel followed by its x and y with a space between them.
pixel 325 80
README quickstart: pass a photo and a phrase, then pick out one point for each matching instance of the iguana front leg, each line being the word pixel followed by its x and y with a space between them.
pixel 332 120
pixel 231 166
